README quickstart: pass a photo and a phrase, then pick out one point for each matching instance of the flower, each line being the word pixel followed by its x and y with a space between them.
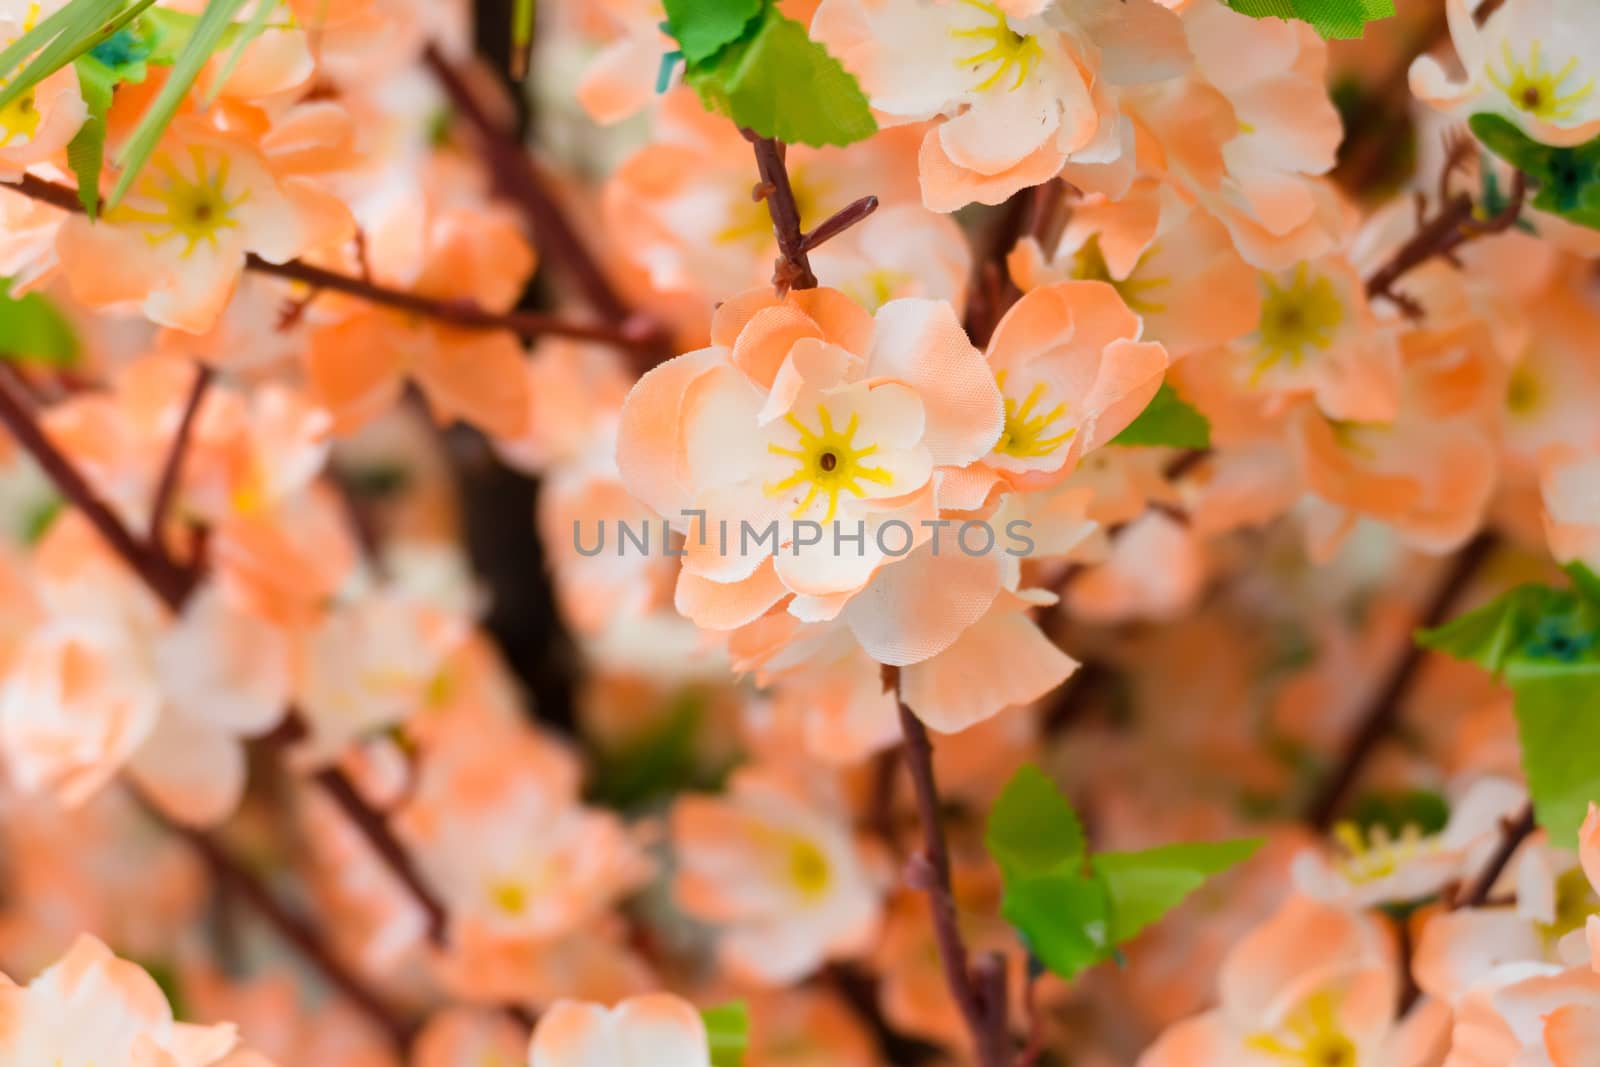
pixel 655 1030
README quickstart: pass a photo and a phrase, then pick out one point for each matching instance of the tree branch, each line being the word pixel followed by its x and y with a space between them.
pixel 172 471
pixel 1513 832
pixel 1384 709
pixel 979 989
pixel 792 269
pixel 461 313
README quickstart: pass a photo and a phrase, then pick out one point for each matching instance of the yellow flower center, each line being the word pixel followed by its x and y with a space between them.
pixel 1537 91
pixel 1376 855
pixel 808 869
pixel 509 897
pixel 1089 265
pixel 193 207
pixel 1303 314
pixel 877 287
pixel 1027 431
pixel 1575 902
pixel 826 461
pixel 19 119
pixel 1524 393
pixel 1310 1037
pixel 1008 50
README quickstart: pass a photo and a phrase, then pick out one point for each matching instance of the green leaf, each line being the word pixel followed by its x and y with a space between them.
pixel 1144 886
pixel 208 36
pixel 727 1033
pixel 1032 828
pixel 86 152
pixel 1566 180
pixel 1331 18
pixel 1423 809
pixel 1064 918
pixel 704 27
pixel 94 22
pixel 32 330
pixel 779 83
pixel 1558 730
pixel 1169 421
pixel 1489 635
pixel 72 22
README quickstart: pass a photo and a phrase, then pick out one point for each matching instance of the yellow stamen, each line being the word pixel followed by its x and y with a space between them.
pixel 1089 265
pixel 1306 313
pixel 826 461
pixel 1024 435
pixel 1310 1037
pixel 1008 48
pixel 1533 89
pixel 193 206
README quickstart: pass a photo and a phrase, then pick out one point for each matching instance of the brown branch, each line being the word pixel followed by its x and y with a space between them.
pixel 1383 710
pixel 1440 236
pixel 1513 832
pixel 520 180
pixel 792 269
pixel 978 988
pixel 840 221
pixel 310 942
pixel 462 313
pixel 169 580
pixel 172 470
pixel 375 828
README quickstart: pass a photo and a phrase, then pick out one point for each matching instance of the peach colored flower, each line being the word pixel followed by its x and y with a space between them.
pixel 654 1030
pixel 37 126
pixel 777 873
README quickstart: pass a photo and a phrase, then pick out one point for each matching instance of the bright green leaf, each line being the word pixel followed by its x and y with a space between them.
pixel 1331 18
pixel 1490 635
pixel 703 28
pixel 87 150
pixel 74 22
pixel 1168 421
pixel 94 24
pixel 779 83
pixel 1566 181
pixel 727 1033
pixel 1558 730
pixel 209 35
pixel 1063 918
pixel 32 330
pixel 1032 828
pixel 1144 886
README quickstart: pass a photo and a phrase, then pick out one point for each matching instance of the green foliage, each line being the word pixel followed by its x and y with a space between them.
pixel 1543 642
pixel 210 33
pixel 727 1033
pixel 88 24
pixel 1421 808
pixel 661 761
pixel 1566 180
pixel 1168 421
pixel 703 27
pixel 1074 909
pixel 32 330
pixel 761 69
pixel 1330 18
pixel 86 154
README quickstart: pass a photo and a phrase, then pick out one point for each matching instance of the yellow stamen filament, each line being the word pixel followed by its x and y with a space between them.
pixel 827 461
pixel 1089 265
pixel 1377 854
pixel 1305 313
pixel 1537 91
pixel 1310 1037
pixel 1025 435
pixel 1007 48
pixel 193 207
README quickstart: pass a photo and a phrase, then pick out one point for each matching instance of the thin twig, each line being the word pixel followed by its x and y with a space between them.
pixel 1513 832
pixel 520 180
pixel 840 221
pixel 979 990
pixel 169 580
pixel 1382 712
pixel 463 313
pixel 172 470
pixel 310 942
pixel 375 828
pixel 792 269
